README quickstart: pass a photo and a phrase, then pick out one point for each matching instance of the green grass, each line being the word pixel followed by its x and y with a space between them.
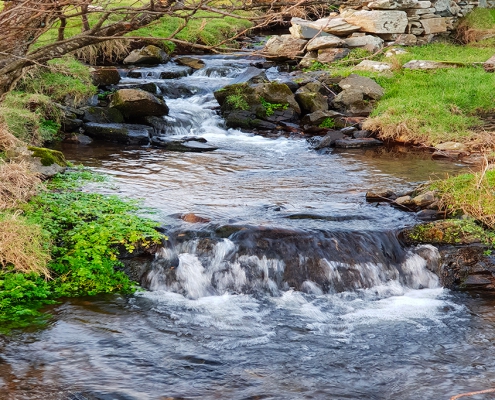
pixel 472 194
pixel 85 233
pixel 433 107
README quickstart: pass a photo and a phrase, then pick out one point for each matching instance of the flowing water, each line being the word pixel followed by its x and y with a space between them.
pixel 286 285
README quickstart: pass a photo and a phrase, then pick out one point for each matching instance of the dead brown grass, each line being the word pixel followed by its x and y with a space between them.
pixel 398 132
pixel 22 246
pixel 17 183
pixel 109 51
pixel 7 140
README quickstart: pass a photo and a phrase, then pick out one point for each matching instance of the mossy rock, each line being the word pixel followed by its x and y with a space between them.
pixel 48 156
pixel 450 231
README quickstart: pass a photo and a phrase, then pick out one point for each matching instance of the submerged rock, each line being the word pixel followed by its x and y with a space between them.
pixel 194 63
pixel 183 144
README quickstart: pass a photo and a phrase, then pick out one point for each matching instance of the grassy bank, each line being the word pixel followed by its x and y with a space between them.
pixel 64 243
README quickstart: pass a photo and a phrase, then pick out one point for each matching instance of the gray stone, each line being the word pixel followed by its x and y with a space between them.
pixel 377 21
pixel 327 56
pixel 367 86
pixel 309 59
pixel 329 139
pixel 150 55
pixel 368 42
pixel 434 25
pixel 308 29
pixel 120 133
pixel 374 66
pixel 316 118
pixel 424 199
pixel 284 47
pixel 451 146
pixel 362 134
pixel 425 64
pixel 489 64
pixel 324 42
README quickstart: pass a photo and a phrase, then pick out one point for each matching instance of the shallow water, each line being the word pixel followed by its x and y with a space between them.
pixel 222 320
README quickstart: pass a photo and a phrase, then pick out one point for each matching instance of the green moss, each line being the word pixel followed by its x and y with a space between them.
pixel 450 232
pixel 270 108
pixel 237 101
pixel 48 156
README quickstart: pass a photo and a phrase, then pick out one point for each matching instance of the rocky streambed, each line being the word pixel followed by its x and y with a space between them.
pixel 278 281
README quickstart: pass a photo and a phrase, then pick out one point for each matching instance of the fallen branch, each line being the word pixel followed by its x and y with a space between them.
pixel 458 396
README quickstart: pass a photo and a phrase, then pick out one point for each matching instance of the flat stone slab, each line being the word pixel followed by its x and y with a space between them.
pixel 425 64
pixel 120 133
pixel 489 64
pixel 183 144
pixel 357 143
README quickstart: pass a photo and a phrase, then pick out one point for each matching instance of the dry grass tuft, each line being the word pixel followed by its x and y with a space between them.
pixel 22 246
pixel 17 183
pixel 7 140
pixel 109 51
pixel 399 132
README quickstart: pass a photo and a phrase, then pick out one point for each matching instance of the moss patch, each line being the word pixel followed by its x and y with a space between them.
pixel 48 156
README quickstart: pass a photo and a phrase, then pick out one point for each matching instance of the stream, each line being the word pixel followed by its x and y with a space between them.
pixel 285 285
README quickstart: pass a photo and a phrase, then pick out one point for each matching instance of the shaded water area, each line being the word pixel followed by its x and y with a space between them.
pixel 289 286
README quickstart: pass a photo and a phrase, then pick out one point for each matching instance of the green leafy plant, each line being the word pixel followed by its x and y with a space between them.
pixel 271 107
pixel 327 123
pixel 237 101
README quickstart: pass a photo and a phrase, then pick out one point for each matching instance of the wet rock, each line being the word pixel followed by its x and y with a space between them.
pixel 194 219
pixel 367 42
pixel 424 64
pixel 329 139
pixel 105 76
pixel 149 87
pixel 284 47
pixel 194 63
pixel 183 144
pixel 138 103
pixel 316 118
pixel 360 134
pixel 45 162
pixel 310 99
pixel 159 124
pixel 149 55
pixel 102 115
pixel 357 143
pixel 251 75
pixel 79 139
pixel 71 124
pixel 404 201
pixel 176 73
pixel 348 130
pixel 327 56
pixel 119 133
pixel 380 195
pixel 377 21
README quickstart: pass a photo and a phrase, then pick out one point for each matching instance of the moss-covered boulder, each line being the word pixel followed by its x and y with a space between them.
pixel 105 76
pixel 310 98
pixel 148 55
pixel 103 115
pixel 259 105
pixel 46 162
pixel 133 103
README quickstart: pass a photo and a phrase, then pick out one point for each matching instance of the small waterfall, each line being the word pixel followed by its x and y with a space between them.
pixel 271 260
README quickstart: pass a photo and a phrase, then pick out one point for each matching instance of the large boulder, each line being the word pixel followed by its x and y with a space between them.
pixel 377 21
pixel 358 95
pixel 191 62
pixel 105 76
pixel 120 133
pixel 310 99
pixel 149 55
pixel 331 25
pixel 46 162
pixel 257 105
pixel 102 115
pixel 284 47
pixel 138 103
